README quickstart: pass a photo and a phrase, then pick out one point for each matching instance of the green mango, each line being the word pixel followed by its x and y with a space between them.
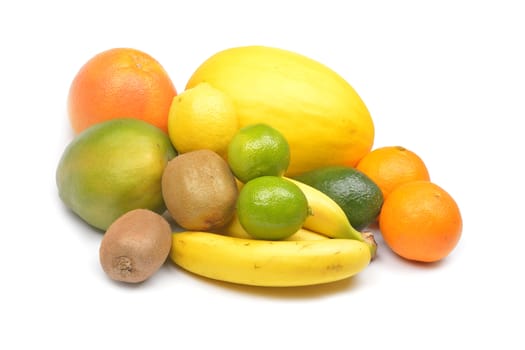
pixel 114 167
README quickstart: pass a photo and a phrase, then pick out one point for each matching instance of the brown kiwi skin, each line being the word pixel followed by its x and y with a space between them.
pixel 135 246
pixel 200 190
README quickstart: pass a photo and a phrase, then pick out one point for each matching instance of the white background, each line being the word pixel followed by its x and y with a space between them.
pixel 444 79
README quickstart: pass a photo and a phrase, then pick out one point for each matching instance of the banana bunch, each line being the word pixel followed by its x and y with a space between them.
pixel 235 229
pixel 268 263
pixel 326 249
pixel 328 218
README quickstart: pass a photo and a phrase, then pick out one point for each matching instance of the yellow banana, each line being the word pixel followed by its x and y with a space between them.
pixel 329 219
pixel 268 263
pixel 235 229
pixel 326 216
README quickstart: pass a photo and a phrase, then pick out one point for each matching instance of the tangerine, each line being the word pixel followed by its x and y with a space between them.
pixel 391 166
pixel 120 83
pixel 420 221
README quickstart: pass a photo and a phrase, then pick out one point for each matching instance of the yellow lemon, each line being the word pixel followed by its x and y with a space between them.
pixel 202 117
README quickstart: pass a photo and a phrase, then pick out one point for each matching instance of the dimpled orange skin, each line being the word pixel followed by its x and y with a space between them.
pixel 420 221
pixel 391 166
pixel 120 83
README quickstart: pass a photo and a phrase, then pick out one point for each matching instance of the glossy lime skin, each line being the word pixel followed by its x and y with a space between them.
pixel 271 208
pixel 112 168
pixel 258 150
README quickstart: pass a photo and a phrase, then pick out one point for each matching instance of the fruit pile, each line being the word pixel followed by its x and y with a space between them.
pixel 261 172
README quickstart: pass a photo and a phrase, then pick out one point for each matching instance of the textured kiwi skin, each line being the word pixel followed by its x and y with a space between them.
pixel 200 190
pixel 135 246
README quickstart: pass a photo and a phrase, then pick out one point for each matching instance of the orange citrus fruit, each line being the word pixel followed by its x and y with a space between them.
pixel 420 221
pixel 120 83
pixel 391 166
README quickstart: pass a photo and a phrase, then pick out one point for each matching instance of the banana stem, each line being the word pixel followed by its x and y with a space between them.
pixel 368 238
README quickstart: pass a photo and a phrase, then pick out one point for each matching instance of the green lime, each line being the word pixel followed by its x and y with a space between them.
pixel 359 197
pixel 258 150
pixel 271 208
pixel 113 167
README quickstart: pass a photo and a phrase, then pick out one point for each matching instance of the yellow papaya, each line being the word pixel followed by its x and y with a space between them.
pixel 321 115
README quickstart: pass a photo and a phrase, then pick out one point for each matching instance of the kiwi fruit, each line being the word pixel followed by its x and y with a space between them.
pixel 135 246
pixel 200 190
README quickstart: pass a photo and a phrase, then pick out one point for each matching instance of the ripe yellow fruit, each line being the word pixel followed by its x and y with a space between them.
pixel 202 118
pixel 320 114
